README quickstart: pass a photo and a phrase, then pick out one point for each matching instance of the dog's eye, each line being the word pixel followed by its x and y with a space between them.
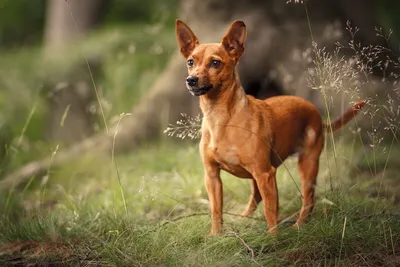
pixel 190 63
pixel 215 63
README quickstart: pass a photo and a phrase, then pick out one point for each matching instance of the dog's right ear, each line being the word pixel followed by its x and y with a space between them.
pixel 186 39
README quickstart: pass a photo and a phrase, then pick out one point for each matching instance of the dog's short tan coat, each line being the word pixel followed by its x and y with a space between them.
pixel 247 137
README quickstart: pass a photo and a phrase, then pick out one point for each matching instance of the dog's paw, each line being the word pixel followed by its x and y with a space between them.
pixel 272 230
pixel 214 233
pixel 296 226
pixel 247 213
pixel 211 234
pixel 244 215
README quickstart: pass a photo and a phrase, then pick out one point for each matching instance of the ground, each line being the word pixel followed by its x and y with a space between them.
pixel 156 213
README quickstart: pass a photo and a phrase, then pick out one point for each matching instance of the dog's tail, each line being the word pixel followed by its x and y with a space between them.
pixel 346 117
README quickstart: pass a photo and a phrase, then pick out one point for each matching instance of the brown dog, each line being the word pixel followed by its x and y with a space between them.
pixel 247 137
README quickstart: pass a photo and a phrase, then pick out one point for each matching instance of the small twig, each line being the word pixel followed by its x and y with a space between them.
pixel 243 242
pixel 184 217
pixel 247 246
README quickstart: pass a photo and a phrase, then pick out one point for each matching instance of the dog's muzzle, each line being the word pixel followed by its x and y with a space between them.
pixel 192 84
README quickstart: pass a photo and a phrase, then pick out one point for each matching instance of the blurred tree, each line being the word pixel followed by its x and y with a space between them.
pixel 69 20
pixel 66 22
pixel 278 33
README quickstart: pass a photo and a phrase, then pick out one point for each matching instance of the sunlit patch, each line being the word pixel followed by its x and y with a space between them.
pixel 231 156
pixel 311 135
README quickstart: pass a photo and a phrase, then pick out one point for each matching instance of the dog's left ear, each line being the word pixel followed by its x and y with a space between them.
pixel 234 38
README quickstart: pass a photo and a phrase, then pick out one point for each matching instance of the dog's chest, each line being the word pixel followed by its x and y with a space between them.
pixel 225 154
pixel 228 158
pixel 222 146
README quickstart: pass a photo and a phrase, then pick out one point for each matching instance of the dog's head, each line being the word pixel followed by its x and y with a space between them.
pixel 210 65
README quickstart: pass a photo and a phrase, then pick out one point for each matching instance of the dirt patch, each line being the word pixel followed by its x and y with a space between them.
pixel 34 253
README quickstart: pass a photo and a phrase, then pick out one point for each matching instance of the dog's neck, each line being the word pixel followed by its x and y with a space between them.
pixel 230 97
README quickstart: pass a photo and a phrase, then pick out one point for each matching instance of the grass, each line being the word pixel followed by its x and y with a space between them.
pixel 103 240
pixel 82 220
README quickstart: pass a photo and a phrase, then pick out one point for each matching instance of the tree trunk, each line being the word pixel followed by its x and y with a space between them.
pixel 68 21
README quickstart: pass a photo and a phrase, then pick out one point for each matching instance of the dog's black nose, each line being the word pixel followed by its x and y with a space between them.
pixel 192 80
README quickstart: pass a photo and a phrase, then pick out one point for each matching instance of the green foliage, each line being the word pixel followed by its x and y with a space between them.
pixel 21 21
pixel 130 58
pixel 387 12
pixel 140 11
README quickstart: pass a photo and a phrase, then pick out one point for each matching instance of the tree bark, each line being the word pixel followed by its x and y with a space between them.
pixel 68 21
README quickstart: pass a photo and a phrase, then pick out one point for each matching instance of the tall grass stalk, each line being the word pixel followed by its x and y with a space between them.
pixel 26 124
pixel 46 178
pixel 18 145
pixel 341 242
pixel 114 163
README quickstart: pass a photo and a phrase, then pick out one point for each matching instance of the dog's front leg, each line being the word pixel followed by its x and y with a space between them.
pixel 214 188
pixel 266 182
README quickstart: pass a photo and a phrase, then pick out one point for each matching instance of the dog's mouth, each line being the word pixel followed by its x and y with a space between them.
pixel 198 91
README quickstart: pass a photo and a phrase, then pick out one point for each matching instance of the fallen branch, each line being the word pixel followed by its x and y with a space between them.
pixel 38 168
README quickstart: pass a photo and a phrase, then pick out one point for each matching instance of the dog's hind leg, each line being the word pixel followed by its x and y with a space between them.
pixel 308 167
pixel 255 199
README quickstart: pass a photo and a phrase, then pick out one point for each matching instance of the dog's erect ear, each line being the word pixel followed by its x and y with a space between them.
pixel 186 39
pixel 234 38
